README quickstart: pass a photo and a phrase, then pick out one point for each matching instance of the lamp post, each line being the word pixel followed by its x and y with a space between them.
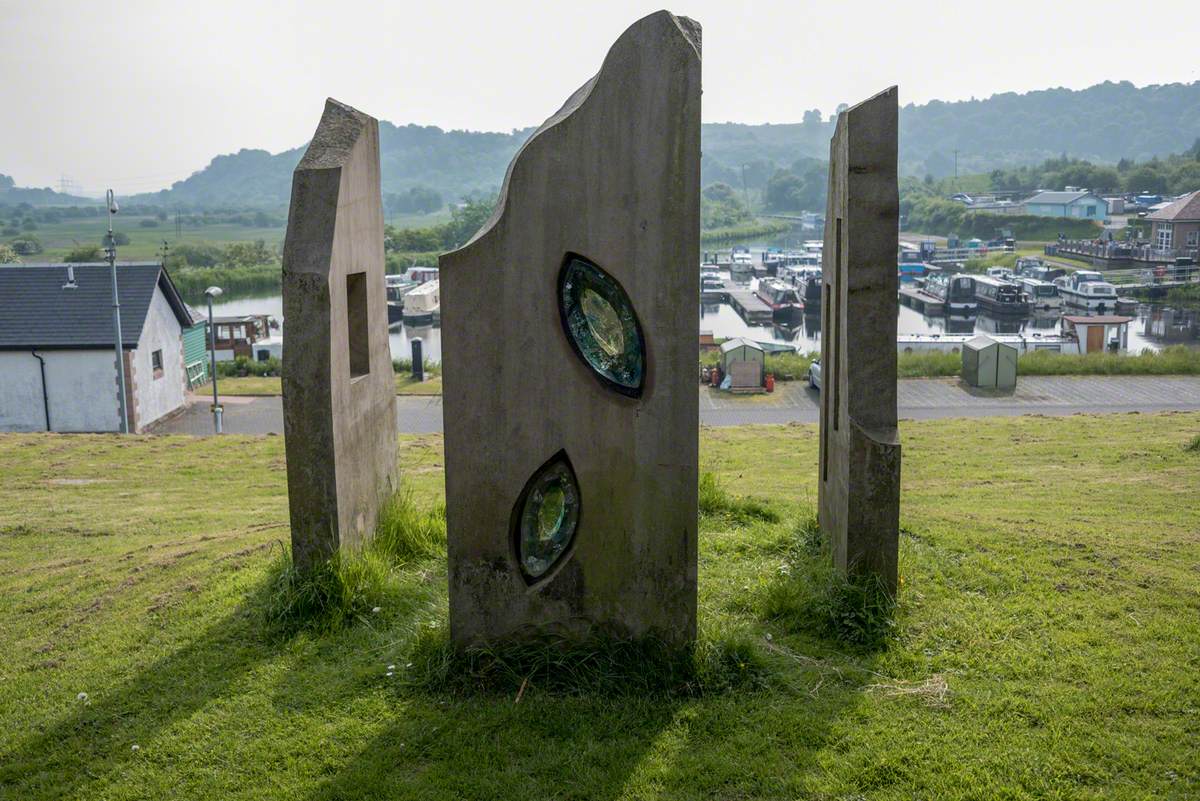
pixel 210 293
pixel 111 252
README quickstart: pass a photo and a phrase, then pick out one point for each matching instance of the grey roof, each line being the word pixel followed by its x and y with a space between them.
pixel 36 312
pixel 1059 198
pixel 738 342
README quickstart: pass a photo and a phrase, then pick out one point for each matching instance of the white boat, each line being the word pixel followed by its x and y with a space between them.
pixel 956 292
pixel 1087 289
pixel 1042 294
pixel 952 343
pixel 740 261
pixel 423 304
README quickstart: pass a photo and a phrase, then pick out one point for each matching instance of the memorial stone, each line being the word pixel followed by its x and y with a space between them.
pixel 859 489
pixel 339 415
pixel 569 356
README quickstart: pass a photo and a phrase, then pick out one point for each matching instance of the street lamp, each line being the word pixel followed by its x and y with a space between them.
pixel 111 252
pixel 210 293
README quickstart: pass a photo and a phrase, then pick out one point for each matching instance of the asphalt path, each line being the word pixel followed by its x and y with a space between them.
pixel 917 399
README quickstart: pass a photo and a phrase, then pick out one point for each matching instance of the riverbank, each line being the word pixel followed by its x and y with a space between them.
pixel 1039 649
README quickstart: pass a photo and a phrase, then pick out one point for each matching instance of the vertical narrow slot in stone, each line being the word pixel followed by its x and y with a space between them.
pixel 356 322
pixel 835 369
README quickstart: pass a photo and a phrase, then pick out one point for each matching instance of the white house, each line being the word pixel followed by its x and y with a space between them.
pixel 57 367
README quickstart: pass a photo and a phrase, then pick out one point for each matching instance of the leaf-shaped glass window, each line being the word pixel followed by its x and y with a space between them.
pixel 546 516
pixel 600 323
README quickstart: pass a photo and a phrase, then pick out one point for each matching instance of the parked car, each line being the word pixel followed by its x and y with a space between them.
pixel 814 375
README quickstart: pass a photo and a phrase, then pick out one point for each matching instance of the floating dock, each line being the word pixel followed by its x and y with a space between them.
pixel 919 300
pixel 751 308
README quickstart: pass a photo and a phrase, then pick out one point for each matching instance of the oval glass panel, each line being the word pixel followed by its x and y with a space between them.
pixel 600 323
pixel 546 517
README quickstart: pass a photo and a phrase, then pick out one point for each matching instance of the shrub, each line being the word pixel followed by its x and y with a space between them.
pixel 404 533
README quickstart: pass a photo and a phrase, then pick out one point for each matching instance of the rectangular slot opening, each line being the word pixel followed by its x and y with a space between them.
pixel 825 386
pixel 835 371
pixel 356 324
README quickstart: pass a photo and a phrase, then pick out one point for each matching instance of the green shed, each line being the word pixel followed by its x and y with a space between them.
pixel 742 362
pixel 195 353
pixel 989 364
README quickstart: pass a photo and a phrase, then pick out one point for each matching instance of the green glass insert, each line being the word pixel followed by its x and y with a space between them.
pixel 601 324
pixel 548 516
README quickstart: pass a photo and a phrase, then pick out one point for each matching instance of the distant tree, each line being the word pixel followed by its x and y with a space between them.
pixel 29 224
pixel 812 117
pixel 8 255
pixel 719 192
pixel 1146 178
pixel 83 253
pixel 119 238
pixel 10 231
pixel 187 254
pixel 26 245
pixel 148 222
pixel 162 217
pixel 784 192
pixel 248 254
pixel 6 182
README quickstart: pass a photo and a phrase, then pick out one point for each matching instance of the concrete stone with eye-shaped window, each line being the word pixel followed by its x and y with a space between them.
pixel 569 356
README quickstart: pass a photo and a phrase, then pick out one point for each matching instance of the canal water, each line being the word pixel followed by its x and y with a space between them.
pixel 723 321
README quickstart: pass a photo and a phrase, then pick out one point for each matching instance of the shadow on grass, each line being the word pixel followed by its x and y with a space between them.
pixel 96 738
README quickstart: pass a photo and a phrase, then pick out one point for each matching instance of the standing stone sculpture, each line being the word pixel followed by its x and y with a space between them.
pixel 339 415
pixel 569 350
pixel 859 494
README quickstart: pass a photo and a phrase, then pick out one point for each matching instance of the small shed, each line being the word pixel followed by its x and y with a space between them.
pixel 1098 332
pixel 989 364
pixel 743 361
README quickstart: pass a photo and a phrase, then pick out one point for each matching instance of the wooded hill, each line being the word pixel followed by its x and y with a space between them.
pixel 1101 124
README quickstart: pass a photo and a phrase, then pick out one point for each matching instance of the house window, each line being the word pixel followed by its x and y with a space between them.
pixel 1162 236
pixel 1193 238
pixel 156 363
pixel 1091 211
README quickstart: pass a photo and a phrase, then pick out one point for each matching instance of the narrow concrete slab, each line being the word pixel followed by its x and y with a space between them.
pixel 859 489
pixel 339 405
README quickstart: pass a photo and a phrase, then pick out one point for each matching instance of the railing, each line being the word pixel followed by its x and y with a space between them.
pixel 1119 250
pixel 1166 275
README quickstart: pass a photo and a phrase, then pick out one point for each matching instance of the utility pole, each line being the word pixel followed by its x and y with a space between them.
pixel 217 410
pixel 116 307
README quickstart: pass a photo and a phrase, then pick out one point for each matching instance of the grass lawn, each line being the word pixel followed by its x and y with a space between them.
pixel 1047 642
pixel 270 385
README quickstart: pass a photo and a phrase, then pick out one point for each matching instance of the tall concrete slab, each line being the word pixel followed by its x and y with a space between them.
pixel 859 490
pixel 569 364
pixel 339 415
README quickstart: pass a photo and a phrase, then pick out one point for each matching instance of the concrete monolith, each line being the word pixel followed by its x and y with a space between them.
pixel 339 416
pixel 569 356
pixel 859 491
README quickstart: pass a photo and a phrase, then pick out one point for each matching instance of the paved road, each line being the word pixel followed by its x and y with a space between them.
pixel 918 399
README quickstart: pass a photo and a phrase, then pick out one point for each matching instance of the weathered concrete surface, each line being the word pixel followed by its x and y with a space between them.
pixel 615 177
pixel 859 490
pixel 339 403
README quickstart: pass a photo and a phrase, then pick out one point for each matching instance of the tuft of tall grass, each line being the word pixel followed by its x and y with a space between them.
pixel 717 504
pixel 1193 445
pixel 1173 360
pixel 405 533
pixel 330 596
pixel 347 587
pixel 810 594
pixel 601 663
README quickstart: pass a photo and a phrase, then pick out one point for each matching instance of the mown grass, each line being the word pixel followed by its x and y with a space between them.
pixel 1045 644
pixel 271 385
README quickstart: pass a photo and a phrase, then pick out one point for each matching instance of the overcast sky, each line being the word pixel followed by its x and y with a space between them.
pixel 138 94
